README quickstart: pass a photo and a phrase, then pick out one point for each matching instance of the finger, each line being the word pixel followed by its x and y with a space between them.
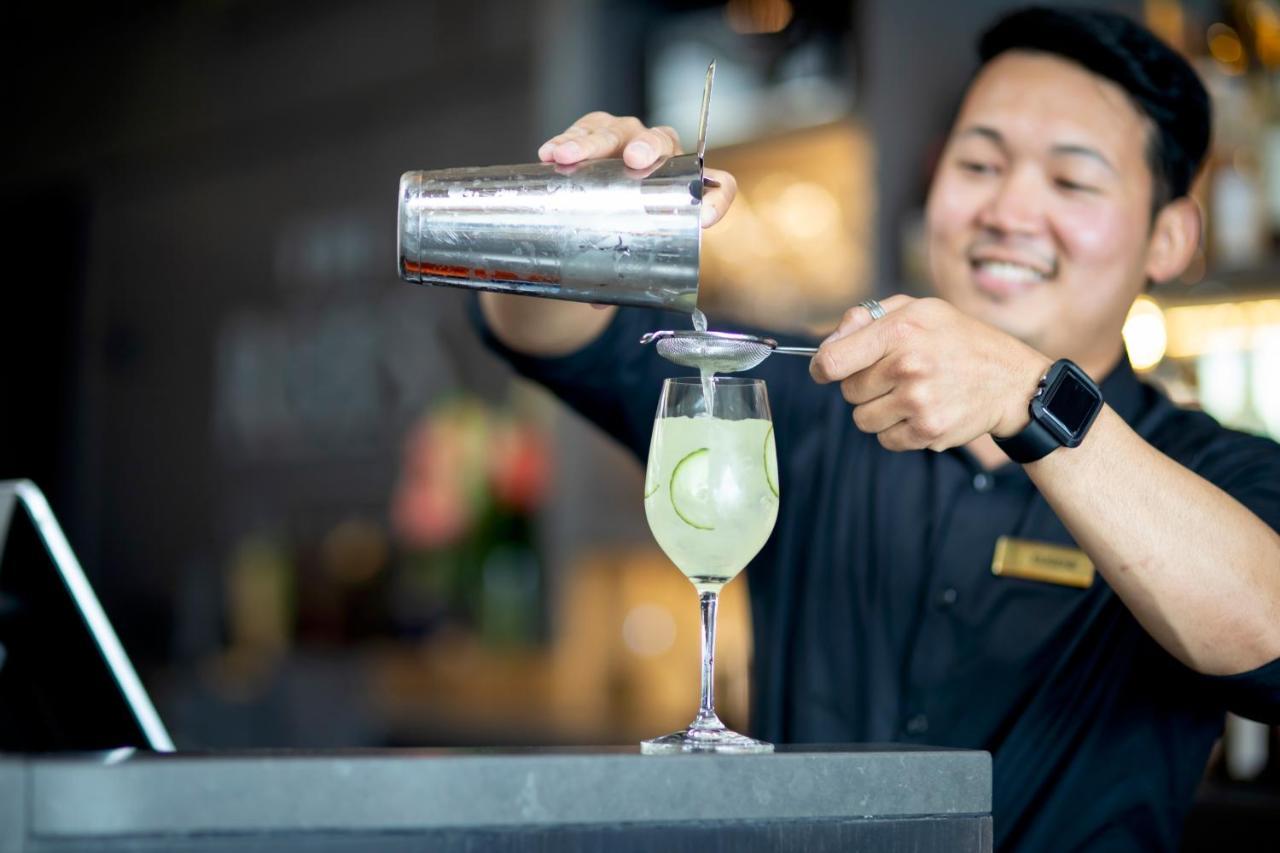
pixel 878 415
pixel 716 200
pixel 857 343
pixel 672 134
pixel 838 358
pixel 547 151
pixel 596 144
pixel 859 316
pixel 867 385
pixel 646 147
pixel 901 436
pixel 606 136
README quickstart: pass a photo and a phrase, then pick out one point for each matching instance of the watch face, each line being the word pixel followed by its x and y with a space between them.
pixel 1071 402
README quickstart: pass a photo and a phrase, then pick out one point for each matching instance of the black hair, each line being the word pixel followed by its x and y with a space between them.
pixel 1162 85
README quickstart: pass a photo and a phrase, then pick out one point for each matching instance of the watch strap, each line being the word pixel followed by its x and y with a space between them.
pixel 1032 443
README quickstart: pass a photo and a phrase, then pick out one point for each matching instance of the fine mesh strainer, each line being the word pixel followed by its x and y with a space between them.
pixel 719 352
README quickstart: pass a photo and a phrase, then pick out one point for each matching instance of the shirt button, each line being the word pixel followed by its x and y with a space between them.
pixel 982 482
pixel 947 597
pixel 919 724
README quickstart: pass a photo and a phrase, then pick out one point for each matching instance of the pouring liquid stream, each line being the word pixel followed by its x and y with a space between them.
pixel 708 387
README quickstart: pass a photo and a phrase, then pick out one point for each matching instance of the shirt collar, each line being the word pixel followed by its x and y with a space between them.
pixel 1124 392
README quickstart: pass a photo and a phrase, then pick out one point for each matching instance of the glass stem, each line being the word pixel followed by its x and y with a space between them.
pixel 707 718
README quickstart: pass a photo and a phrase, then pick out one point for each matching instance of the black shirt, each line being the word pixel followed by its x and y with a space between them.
pixel 876 615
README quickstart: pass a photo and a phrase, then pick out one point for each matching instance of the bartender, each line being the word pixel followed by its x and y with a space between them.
pixel 993 535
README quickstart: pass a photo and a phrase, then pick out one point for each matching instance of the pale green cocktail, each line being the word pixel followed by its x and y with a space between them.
pixel 711 497
pixel 711 493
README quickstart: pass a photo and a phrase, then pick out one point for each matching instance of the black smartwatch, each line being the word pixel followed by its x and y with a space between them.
pixel 1062 410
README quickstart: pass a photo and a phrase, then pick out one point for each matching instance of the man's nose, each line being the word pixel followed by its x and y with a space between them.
pixel 1017 204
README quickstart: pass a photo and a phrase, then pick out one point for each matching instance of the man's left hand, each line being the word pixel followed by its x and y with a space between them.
pixel 927 376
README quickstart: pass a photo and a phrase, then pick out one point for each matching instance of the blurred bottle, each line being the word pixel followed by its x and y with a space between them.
pixel 1269 154
pixel 1234 185
pixel 1237 210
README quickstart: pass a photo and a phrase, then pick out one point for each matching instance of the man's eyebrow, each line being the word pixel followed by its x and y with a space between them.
pixel 1083 151
pixel 989 133
pixel 1062 149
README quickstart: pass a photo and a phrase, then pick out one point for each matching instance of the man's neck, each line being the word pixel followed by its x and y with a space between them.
pixel 1099 364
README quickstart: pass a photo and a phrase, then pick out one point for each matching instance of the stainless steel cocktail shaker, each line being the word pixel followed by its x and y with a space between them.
pixel 597 231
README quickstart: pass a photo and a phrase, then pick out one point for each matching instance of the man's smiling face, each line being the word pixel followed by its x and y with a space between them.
pixel 1039 217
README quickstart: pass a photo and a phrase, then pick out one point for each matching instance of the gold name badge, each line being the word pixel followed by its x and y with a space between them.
pixel 1040 561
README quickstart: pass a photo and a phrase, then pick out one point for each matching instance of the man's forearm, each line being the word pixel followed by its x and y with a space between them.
pixel 1199 571
pixel 543 327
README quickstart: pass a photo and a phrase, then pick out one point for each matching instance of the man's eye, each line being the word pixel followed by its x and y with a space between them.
pixel 1074 186
pixel 977 167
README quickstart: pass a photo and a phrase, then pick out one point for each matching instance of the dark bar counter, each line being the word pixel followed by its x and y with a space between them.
pixel 813 799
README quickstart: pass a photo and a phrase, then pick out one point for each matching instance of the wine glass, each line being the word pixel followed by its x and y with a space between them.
pixel 711 498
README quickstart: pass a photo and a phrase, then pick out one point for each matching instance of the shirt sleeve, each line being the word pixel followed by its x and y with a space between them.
pixel 1246 467
pixel 1254 695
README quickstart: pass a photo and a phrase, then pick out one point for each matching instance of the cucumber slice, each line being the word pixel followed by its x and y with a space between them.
pixel 689 489
pixel 652 490
pixel 771 462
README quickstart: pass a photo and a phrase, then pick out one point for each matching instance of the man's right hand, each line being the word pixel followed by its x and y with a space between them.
pixel 551 327
pixel 599 135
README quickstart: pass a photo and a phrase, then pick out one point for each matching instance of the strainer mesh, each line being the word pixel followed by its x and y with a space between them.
pixel 716 354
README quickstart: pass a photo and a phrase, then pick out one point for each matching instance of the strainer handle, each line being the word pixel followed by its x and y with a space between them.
pixel 796 350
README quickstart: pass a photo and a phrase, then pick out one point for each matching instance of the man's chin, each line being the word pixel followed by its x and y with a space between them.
pixel 1021 308
pixel 1002 290
pixel 1023 316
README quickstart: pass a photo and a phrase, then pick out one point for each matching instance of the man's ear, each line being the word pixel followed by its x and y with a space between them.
pixel 1175 237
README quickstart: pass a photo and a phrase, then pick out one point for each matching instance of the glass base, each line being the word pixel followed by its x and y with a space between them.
pixel 703 740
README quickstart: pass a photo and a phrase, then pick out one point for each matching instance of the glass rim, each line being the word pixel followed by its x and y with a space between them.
pixel 695 381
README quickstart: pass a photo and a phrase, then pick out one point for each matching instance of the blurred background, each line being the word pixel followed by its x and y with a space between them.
pixel 318 512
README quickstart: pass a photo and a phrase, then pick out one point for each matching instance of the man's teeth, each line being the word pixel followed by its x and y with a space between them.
pixel 1010 271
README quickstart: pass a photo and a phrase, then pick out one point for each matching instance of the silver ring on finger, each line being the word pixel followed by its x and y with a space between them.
pixel 874 308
